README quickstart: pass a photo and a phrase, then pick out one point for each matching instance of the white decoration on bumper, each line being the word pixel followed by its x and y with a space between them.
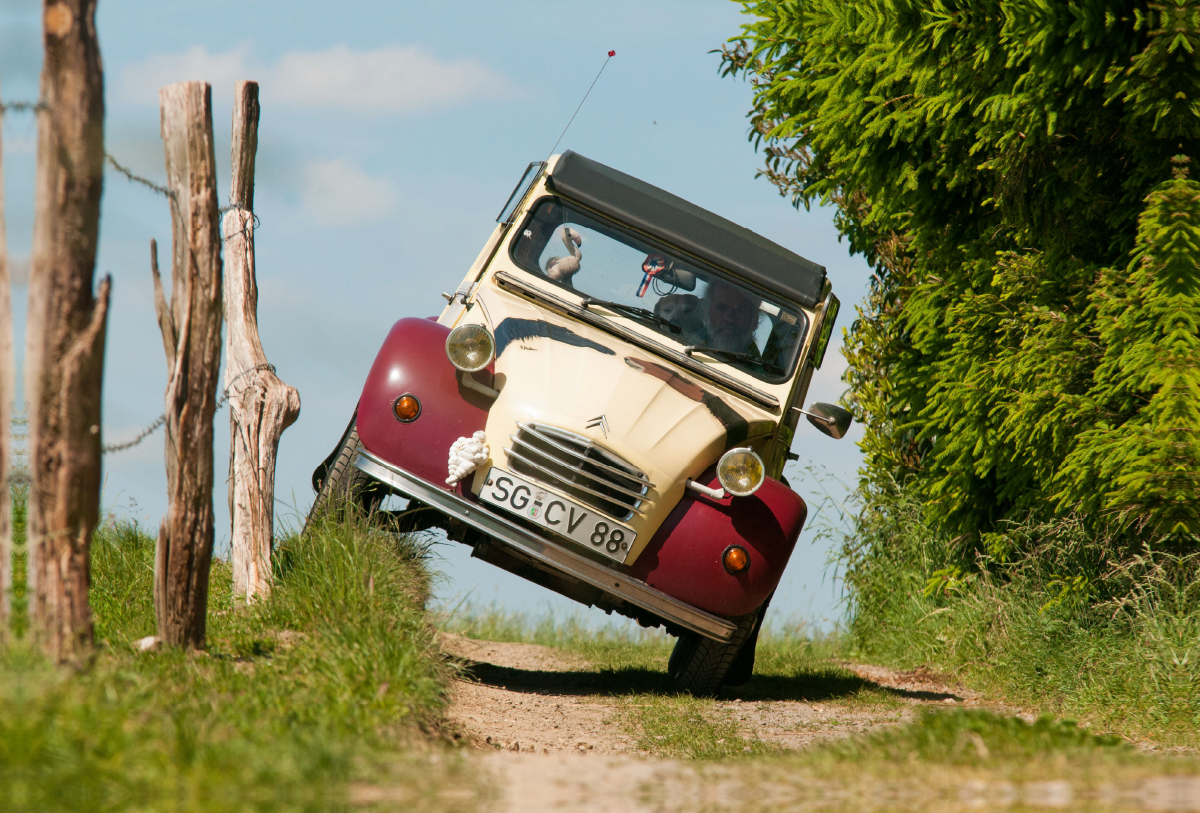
pixel 465 456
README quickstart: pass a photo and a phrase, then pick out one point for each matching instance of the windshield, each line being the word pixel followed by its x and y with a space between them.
pixel 721 319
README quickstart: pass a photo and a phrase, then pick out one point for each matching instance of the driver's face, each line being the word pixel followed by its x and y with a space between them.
pixel 731 311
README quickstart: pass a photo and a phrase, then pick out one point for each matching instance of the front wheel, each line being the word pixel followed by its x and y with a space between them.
pixel 343 485
pixel 699 665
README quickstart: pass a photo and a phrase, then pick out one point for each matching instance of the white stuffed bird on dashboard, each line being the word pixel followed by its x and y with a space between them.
pixel 561 269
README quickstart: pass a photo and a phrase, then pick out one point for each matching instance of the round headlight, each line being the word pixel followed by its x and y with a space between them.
pixel 470 347
pixel 741 472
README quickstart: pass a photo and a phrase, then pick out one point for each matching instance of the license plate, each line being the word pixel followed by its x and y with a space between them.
pixel 579 523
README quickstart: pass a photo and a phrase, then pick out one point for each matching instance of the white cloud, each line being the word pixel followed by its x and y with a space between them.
pixel 140 82
pixel 337 192
pixel 388 80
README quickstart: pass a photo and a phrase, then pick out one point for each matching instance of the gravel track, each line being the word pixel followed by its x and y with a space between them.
pixel 552 739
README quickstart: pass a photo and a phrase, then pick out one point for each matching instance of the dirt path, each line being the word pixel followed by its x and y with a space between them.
pixel 553 739
pixel 528 698
pixel 534 699
pixel 548 729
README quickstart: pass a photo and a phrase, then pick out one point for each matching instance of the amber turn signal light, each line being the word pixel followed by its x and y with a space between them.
pixel 735 559
pixel 406 408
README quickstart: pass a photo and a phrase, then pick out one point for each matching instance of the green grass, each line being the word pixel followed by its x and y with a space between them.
pixel 954 760
pixel 972 737
pixel 1067 633
pixel 682 727
pixel 329 691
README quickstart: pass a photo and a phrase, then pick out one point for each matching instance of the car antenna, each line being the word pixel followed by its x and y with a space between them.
pixel 611 54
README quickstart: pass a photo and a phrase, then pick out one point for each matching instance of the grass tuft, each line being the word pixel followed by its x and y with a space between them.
pixel 682 727
pixel 973 737
pixel 332 682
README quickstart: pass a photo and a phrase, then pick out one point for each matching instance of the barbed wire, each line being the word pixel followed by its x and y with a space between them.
pixel 145 433
pixel 149 184
pixel 23 107
pixel 40 106
pixel 237 207
pixel 162 190
pixel 162 419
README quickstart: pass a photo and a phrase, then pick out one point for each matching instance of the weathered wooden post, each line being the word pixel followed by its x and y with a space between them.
pixel 65 334
pixel 191 331
pixel 7 380
pixel 260 405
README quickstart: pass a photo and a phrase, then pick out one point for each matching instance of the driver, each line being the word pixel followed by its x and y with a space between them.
pixel 731 317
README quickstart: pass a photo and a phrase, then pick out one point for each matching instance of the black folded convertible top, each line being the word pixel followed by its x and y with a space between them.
pixel 697 231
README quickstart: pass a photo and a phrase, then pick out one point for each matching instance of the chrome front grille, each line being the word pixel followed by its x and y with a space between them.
pixel 579 468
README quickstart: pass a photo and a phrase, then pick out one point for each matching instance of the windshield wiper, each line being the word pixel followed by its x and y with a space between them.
pixel 633 312
pixel 733 355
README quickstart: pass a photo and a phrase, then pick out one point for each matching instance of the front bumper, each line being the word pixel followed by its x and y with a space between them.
pixel 524 542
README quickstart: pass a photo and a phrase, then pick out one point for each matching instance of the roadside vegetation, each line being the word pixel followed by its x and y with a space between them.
pixel 1064 631
pixel 324 697
pixel 1022 179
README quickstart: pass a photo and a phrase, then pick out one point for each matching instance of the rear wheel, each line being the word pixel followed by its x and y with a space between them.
pixel 699 665
pixel 343 485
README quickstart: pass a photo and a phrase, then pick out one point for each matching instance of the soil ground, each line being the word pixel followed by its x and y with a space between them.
pixel 533 699
pixel 550 726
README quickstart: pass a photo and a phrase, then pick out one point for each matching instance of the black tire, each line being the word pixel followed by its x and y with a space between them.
pixel 698 665
pixel 344 486
pixel 743 666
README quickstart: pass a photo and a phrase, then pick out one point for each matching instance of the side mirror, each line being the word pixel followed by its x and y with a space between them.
pixel 829 418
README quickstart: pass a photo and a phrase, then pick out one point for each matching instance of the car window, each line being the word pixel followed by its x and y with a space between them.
pixel 699 307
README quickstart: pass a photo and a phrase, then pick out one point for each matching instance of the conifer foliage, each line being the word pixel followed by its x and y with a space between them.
pixel 1017 173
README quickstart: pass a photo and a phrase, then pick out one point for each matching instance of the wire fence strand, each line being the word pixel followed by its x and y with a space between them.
pixel 23 107
pixel 162 419
pixel 128 173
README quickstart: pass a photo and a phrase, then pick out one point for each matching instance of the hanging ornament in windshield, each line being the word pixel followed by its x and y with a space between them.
pixel 653 265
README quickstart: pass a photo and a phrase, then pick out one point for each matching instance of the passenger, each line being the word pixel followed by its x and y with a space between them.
pixel 731 317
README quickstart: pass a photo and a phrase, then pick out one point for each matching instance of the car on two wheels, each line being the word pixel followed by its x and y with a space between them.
pixel 604 407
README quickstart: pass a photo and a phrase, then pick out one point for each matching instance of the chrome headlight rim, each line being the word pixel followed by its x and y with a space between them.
pixel 723 474
pixel 458 334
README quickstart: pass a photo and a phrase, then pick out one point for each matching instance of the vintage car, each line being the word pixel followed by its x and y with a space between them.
pixel 604 407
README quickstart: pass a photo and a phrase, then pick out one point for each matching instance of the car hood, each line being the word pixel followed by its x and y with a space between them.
pixel 555 371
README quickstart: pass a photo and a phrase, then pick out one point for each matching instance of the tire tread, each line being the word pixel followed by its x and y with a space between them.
pixel 344 483
pixel 702 663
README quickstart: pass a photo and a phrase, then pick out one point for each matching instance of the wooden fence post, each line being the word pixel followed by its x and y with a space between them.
pixel 66 329
pixel 7 382
pixel 191 331
pixel 260 405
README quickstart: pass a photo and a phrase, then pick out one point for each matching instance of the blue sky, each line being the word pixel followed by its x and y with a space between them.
pixel 391 135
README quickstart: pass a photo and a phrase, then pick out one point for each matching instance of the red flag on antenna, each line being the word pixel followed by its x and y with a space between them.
pixel 612 53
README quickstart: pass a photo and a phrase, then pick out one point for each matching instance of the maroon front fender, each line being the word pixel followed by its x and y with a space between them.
pixel 684 558
pixel 413 361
